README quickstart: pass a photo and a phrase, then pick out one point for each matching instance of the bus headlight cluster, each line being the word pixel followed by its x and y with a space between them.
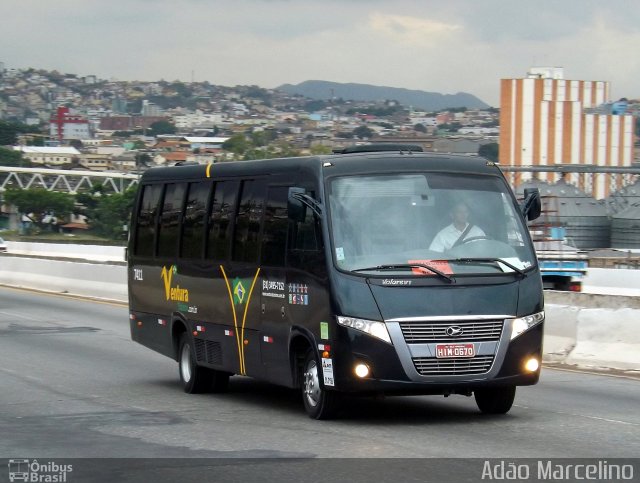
pixel 522 324
pixel 371 327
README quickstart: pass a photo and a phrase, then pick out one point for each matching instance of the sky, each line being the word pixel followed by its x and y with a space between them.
pixel 445 46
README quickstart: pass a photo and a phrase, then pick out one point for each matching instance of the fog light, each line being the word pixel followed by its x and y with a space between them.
pixel 361 370
pixel 532 365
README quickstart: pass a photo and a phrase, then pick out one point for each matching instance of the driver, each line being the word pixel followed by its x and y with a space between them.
pixel 457 232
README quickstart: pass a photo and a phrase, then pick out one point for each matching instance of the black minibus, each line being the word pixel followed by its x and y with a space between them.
pixel 366 273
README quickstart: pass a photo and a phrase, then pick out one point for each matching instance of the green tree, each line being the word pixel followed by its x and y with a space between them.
pixel 453 127
pixel 490 151
pixel 143 159
pixel 36 141
pixel 162 127
pixel 492 123
pixel 111 213
pixel 315 105
pixel 122 134
pixel 9 157
pixel 38 201
pixel 263 138
pixel 9 131
pixel 453 109
pixel 420 128
pixel 363 132
pixel 238 144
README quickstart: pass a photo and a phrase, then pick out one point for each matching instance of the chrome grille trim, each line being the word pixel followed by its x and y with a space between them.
pixel 423 332
pixel 431 366
pixel 450 318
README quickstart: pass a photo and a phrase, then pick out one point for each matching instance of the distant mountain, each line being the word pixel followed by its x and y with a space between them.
pixel 428 101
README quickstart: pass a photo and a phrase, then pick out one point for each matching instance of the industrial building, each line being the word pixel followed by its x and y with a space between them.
pixel 548 120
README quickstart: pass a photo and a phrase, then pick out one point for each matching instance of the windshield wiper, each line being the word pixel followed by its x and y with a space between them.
pixel 491 260
pixel 405 266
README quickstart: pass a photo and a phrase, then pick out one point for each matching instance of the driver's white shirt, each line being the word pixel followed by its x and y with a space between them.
pixel 450 234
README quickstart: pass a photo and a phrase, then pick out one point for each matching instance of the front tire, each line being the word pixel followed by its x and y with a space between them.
pixel 318 402
pixel 195 379
pixel 495 400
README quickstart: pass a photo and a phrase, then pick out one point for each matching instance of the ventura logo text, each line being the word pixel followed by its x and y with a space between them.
pixel 176 294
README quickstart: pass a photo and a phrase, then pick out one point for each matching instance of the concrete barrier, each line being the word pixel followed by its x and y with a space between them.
pixel 67 250
pixel 560 332
pixel 589 330
pixel 612 281
pixel 607 338
pixel 87 279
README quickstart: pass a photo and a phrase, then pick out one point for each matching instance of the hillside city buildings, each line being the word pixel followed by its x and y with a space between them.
pixel 544 119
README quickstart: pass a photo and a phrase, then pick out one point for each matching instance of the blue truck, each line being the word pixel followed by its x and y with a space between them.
pixel 562 266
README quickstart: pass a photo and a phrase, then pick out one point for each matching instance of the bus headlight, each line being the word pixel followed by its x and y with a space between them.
pixel 522 324
pixel 371 327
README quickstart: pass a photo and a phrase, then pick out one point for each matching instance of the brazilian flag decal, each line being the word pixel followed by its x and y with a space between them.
pixel 240 290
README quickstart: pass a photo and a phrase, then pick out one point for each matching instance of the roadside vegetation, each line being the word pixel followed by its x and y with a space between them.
pixel 43 215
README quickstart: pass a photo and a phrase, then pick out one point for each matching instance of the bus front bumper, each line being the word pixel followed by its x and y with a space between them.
pixel 390 375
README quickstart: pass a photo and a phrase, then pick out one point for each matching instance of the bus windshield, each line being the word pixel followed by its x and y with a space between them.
pixel 458 224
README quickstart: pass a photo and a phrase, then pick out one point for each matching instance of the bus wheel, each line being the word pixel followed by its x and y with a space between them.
pixel 195 379
pixel 495 400
pixel 319 403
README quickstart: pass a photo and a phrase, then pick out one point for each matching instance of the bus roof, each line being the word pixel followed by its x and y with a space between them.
pixel 340 164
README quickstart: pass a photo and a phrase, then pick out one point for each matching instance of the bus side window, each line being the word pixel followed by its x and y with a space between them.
pixel 170 219
pixel 246 240
pixel 276 223
pixel 146 220
pixel 305 234
pixel 305 251
pixel 195 212
pixel 223 205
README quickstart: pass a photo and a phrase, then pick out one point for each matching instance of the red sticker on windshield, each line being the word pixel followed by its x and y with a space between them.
pixel 441 265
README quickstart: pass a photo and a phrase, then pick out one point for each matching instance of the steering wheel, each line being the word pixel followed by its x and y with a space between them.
pixel 474 238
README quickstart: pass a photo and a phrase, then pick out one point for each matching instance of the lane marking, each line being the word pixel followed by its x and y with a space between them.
pixel 591 372
pixel 82 298
pixel 596 418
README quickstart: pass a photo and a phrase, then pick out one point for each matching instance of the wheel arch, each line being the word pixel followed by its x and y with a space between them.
pixel 179 326
pixel 300 341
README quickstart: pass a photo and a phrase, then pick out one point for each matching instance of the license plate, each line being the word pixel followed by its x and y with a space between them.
pixel 444 351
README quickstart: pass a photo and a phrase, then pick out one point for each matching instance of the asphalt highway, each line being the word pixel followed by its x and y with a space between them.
pixel 73 385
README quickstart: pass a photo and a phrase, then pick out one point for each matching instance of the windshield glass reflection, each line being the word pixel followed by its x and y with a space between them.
pixel 454 223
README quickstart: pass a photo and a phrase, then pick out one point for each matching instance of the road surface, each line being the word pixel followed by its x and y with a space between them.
pixel 74 385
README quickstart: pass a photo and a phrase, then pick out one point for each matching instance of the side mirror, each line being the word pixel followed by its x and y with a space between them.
pixel 531 206
pixel 296 209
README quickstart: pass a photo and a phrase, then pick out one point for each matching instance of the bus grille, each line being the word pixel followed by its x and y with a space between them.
pixel 430 366
pixel 208 351
pixel 436 332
